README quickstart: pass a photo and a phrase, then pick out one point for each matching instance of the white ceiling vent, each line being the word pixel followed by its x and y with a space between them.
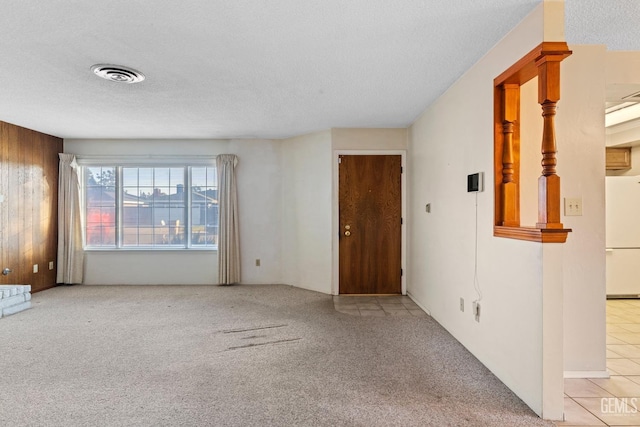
pixel 117 73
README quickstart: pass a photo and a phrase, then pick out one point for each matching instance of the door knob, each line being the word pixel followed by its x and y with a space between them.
pixel 347 233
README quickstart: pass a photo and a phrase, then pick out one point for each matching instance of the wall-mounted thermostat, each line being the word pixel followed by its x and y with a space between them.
pixel 475 182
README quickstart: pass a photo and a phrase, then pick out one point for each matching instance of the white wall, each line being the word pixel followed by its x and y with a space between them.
pixel 527 293
pixel 306 211
pixel 369 139
pixel 285 203
pixel 260 204
pixel 151 268
pixel 452 139
pixel 581 166
pixel 307 200
pixel 622 68
pixel 259 174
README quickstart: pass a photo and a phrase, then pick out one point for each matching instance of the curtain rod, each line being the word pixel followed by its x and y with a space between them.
pixel 144 159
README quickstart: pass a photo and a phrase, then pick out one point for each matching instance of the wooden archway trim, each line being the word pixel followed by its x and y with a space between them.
pixel 542 62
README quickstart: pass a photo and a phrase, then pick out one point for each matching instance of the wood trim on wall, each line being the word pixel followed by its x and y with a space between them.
pixel 29 212
pixel 542 62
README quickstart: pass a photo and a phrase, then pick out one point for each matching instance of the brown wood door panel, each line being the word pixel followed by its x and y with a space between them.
pixel 370 224
pixel 28 215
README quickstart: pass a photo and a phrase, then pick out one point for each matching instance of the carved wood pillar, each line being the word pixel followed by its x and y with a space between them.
pixel 542 62
pixel 509 200
pixel 549 182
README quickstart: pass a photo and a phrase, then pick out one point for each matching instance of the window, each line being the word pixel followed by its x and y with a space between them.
pixel 100 199
pixel 150 207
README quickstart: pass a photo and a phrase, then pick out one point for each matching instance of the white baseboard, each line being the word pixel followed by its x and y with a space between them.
pixel 586 374
pixel 419 305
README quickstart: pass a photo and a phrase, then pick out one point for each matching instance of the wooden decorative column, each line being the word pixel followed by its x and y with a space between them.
pixel 542 62
pixel 510 189
pixel 549 182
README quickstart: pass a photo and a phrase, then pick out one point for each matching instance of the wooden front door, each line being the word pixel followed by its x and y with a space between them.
pixel 370 224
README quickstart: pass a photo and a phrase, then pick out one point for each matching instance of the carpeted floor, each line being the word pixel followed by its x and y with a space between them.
pixel 236 356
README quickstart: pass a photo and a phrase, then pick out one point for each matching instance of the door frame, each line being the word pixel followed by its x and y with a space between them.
pixel 335 220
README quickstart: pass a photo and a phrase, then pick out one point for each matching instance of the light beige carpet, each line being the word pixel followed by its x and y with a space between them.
pixel 236 356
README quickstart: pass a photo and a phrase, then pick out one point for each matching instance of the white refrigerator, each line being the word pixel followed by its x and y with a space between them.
pixel 623 235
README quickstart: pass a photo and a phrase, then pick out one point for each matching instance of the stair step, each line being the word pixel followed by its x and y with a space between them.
pixel 14 299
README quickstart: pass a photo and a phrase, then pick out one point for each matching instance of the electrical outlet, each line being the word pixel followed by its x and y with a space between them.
pixel 427 207
pixel 50 265
pixel 35 268
pixel 573 206
pixel 258 262
pixel 462 304
pixel 476 311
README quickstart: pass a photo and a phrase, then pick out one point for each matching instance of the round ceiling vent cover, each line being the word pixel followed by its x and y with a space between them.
pixel 117 73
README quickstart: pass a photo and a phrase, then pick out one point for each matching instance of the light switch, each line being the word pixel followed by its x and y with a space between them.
pixel 573 206
pixel 1 198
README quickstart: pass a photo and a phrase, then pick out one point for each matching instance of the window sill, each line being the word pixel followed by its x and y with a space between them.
pixel 533 234
pixel 112 250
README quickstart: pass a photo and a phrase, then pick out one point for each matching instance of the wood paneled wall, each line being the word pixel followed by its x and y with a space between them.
pixel 29 212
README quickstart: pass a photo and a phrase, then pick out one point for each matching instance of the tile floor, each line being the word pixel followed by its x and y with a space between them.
pixel 612 401
pixel 377 306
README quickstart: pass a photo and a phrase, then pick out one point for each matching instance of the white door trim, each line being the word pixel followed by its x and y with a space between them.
pixel 335 285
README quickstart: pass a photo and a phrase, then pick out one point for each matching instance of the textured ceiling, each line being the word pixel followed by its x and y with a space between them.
pixel 250 68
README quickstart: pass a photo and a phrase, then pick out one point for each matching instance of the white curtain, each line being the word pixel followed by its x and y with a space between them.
pixel 70 251
pixel 228 236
